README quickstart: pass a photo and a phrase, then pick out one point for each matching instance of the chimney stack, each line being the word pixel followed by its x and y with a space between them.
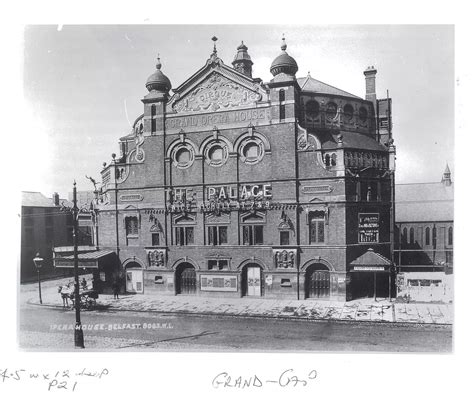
pixel 370 94
pixel 56 199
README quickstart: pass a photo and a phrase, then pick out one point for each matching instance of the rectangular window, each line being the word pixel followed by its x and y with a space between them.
pixel 282 112
pixel 131 230
pixel 184 236
pixel 131 226
pixel 317 228
pixel 216 265
pixel 155 239
pixel 284 238
pixel 216 235
pixel 252 234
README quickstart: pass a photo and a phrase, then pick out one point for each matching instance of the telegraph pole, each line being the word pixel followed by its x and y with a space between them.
pixel 78 333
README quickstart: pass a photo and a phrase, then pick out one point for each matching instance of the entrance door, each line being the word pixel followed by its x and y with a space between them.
pixel 254 281
pixel 134 278
pixel 318 283
pixel 186 279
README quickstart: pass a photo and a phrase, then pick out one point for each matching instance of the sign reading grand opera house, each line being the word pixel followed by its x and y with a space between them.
pixel 230 186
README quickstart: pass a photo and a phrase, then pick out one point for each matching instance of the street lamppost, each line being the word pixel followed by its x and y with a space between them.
pixel 38 261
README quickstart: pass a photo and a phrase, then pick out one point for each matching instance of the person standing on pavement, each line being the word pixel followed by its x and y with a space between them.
pixel 116 288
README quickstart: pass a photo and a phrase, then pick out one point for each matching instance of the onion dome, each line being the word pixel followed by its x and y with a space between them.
pixel 242 61
pixel 158 80
pixel 284 63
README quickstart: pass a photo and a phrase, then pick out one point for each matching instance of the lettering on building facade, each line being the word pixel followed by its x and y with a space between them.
pixel 216 93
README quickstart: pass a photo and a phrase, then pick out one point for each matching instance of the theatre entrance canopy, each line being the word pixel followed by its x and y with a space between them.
pixel 103 264
pixel 362 267
pixel 87 258
pixel 370 261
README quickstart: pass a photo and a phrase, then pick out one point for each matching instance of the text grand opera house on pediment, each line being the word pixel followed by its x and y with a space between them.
pixel 231 186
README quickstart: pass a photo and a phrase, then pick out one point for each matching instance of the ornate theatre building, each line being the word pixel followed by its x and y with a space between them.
pixel 235 187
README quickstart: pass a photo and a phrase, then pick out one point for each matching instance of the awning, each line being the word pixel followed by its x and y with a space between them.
pixel 85 260
pixel 370 262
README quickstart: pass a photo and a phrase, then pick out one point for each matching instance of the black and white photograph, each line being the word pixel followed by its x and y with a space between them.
pixel 198 191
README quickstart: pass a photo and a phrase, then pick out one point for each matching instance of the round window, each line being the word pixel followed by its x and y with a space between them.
pixel 312 108
pixel 216 154
pixel 183 156
pixel 362 114
pixel 251 150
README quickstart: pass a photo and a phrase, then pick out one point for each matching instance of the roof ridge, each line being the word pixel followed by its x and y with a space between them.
pixel 327 84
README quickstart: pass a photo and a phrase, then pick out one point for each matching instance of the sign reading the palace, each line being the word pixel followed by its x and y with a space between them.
pixel 228 192
pixel 368 227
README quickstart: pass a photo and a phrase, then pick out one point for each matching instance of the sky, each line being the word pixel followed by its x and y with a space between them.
pixel 83 85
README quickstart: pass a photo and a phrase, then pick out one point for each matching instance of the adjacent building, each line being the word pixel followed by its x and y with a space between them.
pixel 45 225
pixel 425 222
pixel 232 186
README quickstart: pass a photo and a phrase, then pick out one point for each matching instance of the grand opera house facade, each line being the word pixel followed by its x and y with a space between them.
pixel 231 186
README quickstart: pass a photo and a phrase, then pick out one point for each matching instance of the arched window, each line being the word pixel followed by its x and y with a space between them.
pixel 412 236
pixel 348 112
pixel 331 109
pixel 362 114
pixel 281 95
pixel 404 235
pixel 312 108
pixel 450 236
pixel 427 236
pixel 434 236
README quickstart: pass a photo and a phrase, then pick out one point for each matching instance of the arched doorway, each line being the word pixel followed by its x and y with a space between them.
pixel 185 279
pixel 133 277
pixel 317 281
pixel 252 280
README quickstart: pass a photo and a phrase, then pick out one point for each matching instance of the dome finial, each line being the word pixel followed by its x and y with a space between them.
pixel 283 43
pixel 158 80
pixel 158 64
pixel 214 39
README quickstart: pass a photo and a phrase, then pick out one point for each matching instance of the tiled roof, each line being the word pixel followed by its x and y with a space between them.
pixel 309 84
pixel 371 258
pixel 91 255
pixel 424 202
pixel 350 140
pixel 35 199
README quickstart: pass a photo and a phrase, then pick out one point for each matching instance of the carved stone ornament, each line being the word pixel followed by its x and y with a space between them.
pixel 139 152
pixel 156 258
pixel 216 93
pixel 284 258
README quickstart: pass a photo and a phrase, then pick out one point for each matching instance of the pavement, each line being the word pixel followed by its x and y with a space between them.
pixel 363 310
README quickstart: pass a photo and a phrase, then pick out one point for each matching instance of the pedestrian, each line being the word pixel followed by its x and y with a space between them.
pixel 116 288
pixel 84 284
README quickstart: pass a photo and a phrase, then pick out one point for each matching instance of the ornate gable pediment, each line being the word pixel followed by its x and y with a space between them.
pixel 214 93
